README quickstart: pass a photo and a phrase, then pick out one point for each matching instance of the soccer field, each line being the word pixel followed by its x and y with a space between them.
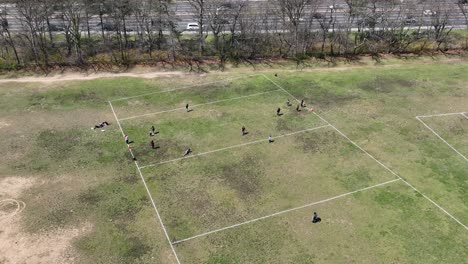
pixel 231 181
pixel 380 153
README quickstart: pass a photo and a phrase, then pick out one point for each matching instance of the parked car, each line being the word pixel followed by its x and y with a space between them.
pixel 193 26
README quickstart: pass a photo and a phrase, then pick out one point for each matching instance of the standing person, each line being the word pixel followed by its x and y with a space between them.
pixel 187 107
pixel 298 108
pixel 152 144
pixel 278 111
pixel 152 131
pixel 288 103
pixel 270 139
pixel 244 131
pixel 126 139
pixel 302 103
pixel 187 152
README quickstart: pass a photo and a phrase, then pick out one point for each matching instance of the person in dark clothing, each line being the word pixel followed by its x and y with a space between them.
pixel 187 107
pixel 316 218
pixel 187 152
pixel 152 131
pixel 288 103
pixel 152 144
pixel 302 103
pixel 298 108
pixel 278 111
pixel 244 131
pixel 126 139
pixel 101 125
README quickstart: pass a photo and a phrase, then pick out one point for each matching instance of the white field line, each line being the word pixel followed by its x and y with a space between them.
pixel 463 114
pixel 435 133
pixel 231 147
pixel 147 189
pixel 213 102
pixel 285 211
pixel 446 114
pixel 183 88
pixel 381 164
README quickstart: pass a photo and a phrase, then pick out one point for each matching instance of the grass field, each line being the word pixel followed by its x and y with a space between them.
pixel 387 188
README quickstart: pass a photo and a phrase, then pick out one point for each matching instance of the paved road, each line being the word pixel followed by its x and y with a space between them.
pixel 256 10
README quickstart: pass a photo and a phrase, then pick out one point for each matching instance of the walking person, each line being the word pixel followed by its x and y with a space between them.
pixel 152 144
pixel 278 111
pixel 187 152
pixel 126 139
pixel 288 103
pixel 303 103
pixel 187 107
pixel 298 109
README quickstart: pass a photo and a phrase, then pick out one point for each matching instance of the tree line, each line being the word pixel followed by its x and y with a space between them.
pixel 48 33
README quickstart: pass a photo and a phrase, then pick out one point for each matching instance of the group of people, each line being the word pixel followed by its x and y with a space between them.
pixel 187 152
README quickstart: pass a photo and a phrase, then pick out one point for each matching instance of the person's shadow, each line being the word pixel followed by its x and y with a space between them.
pixel 317 220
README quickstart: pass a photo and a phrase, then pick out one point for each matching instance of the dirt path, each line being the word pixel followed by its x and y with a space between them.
pixel 82 77
pixel 139 73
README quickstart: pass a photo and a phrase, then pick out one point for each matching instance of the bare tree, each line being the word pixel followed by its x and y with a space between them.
pixel 463 6
pixel 199 7
pixel 73 11
pixel 6 34
pixel 32 18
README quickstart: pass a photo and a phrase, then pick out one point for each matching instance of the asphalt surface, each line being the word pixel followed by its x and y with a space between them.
pixel 268 18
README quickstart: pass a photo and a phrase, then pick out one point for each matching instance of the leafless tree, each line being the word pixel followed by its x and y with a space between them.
pixel 6 34
pixel 199 7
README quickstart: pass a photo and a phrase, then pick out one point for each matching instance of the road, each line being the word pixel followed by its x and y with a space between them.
pixel 256 10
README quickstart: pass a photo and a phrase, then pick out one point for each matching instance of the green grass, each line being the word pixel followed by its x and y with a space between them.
pixel 88 176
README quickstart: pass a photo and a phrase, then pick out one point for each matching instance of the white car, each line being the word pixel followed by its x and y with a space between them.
pixel 428 12
pixel 193 26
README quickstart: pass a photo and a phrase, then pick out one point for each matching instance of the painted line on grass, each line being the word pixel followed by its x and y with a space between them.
pixel 284 211
pixel 147 189
pixel 463 114
pixel 231 147
pixel 183 88
pixel 197 105
pixel 381 164
pixel 445 114
pixel 435 133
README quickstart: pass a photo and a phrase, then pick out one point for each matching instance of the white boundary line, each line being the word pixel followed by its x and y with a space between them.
pixel 463 114
pixel 381 164
pixel 183 88
pixel 282 212
pixel 231 147
pixel 146 187
pixel 446 114
pixel 212 102
pixel 428 127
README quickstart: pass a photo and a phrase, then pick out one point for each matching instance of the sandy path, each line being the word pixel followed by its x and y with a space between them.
pixel 156 74
pixel 82 77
